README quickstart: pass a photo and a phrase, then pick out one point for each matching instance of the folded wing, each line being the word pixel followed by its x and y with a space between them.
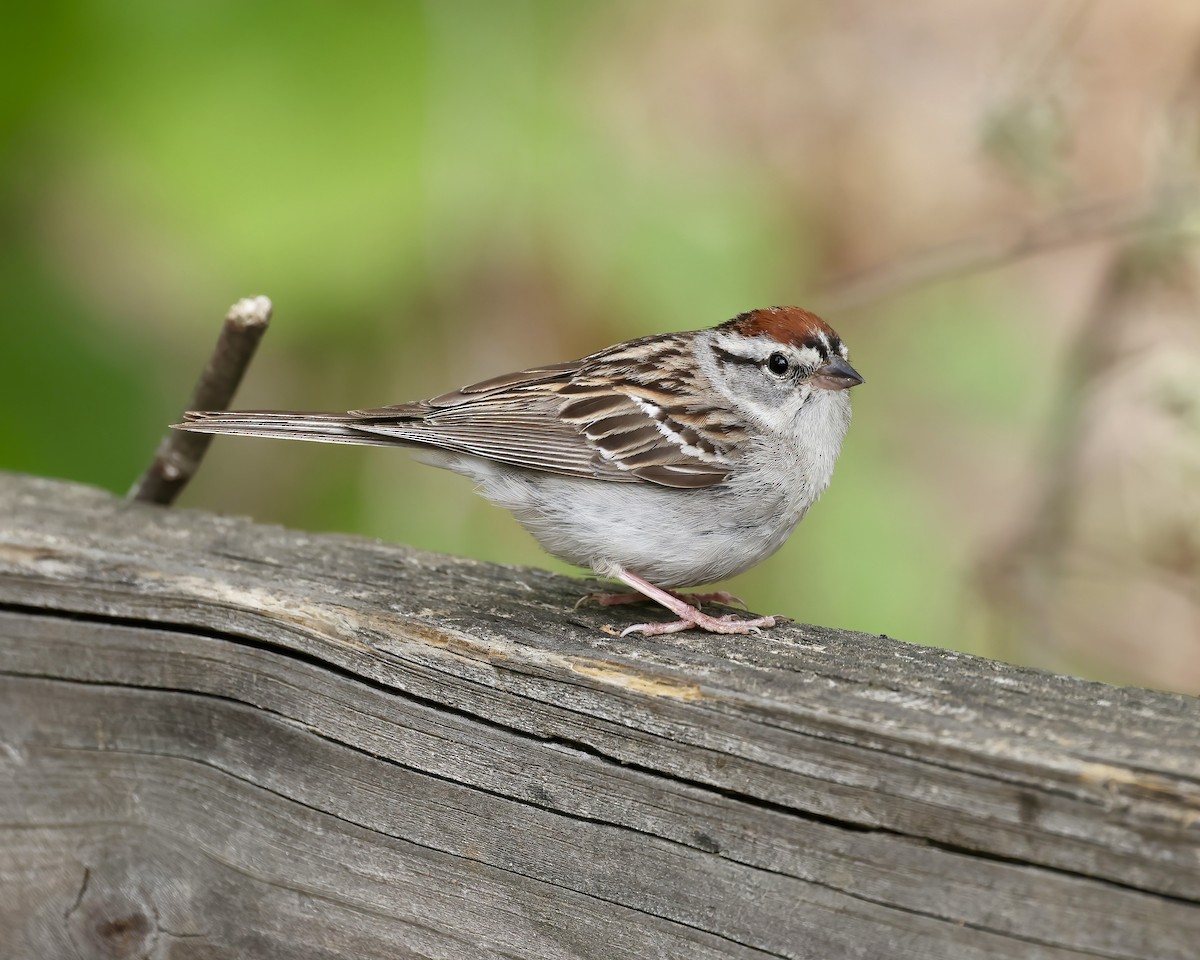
pixel 618 415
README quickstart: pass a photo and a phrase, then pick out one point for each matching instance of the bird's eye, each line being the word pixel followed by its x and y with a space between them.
pixel 778 364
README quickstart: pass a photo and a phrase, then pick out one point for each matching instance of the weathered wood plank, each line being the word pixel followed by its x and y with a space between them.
pixel 268 743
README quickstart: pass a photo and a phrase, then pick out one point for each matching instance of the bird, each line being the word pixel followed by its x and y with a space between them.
pixel 664 462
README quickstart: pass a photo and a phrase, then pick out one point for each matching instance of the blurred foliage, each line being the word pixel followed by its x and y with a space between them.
pixel 434 192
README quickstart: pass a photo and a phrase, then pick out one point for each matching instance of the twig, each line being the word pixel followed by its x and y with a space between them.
pixel 179 454
pixel 1167 212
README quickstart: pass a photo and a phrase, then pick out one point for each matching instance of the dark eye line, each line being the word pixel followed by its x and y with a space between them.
pixel 763 363
pixel 724 356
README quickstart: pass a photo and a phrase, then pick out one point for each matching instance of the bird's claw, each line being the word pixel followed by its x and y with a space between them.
pixel 699 621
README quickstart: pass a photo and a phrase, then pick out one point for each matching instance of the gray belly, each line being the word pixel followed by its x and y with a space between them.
pixel 671 537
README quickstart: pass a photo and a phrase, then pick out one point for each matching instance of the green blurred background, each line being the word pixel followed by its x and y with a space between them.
pixel 431 193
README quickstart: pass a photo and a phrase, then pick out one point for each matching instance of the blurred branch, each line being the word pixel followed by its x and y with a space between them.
pixel 179 454
pixel 1024 575
pixel 1166 212
pixel 1021 576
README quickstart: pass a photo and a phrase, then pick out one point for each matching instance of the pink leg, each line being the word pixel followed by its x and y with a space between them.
pixel 689 617
pixel 630 596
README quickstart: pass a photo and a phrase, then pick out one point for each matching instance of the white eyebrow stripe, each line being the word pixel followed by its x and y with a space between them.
pixel 809 355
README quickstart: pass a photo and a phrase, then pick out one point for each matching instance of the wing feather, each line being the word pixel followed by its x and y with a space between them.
pixel 630 413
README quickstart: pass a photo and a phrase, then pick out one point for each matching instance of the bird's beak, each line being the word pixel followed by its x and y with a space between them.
pixel 837 374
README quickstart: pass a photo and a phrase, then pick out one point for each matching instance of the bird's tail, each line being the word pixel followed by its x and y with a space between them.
pixel 283 424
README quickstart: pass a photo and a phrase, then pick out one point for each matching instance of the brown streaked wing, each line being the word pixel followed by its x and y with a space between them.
pixel 642 410
pixel 500 385
pixel 640 436
pixel 624 414
pixel 512 418
pixel 521 438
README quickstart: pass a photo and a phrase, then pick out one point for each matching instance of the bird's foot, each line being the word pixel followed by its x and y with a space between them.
pixel 695 620
pixel 631 596
pixel 690 617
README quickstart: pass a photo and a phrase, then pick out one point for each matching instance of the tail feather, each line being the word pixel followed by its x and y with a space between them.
pixel 286 425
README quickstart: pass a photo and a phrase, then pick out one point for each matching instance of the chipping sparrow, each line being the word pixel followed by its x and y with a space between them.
pixel 667 461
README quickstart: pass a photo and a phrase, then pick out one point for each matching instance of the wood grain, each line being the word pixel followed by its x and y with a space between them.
pixel 221 739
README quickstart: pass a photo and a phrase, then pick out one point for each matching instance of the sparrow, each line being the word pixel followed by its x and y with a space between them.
pixel 664 462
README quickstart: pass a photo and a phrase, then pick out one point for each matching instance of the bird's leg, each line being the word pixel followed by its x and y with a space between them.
pixel 632 596
pixel 689 617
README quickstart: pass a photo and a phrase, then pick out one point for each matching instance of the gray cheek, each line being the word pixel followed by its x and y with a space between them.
pixel 759 387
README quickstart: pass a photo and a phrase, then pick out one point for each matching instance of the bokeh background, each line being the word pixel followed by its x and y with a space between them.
pixel 992 202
